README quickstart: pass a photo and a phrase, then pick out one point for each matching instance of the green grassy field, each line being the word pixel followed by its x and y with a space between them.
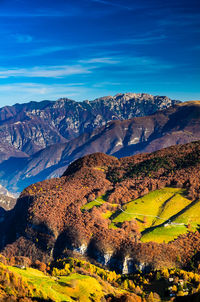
pixel 154 210
pixel 62 288
pixel 88 206
pixel 164 204
pixel 190 216
pixel 164 234
pixel 97 202
pixel 146 210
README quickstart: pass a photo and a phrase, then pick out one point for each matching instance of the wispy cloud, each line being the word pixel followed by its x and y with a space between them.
pixel 85 66
pixel 137 41
pixel 180 20
pixel 116 4
pixel 105 84
pixel 142 40
pixel 20 38
pixel 24 92
pixel 45 72
pixel 40 89
pixel 147 64
pixel 131 64
pixel 44 50
pixel 100 60
pixel 24 11
pixel 135 64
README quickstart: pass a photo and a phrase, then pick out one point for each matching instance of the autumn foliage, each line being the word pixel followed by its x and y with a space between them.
pixel 48 221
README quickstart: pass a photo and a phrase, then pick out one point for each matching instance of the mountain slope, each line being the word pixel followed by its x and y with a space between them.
pixel 55 217
pixel 176 125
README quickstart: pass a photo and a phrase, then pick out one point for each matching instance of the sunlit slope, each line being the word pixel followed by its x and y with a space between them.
pixel 188 219
pixel 161 215
pixel 164 233
pixel 42 286
pixel 154 208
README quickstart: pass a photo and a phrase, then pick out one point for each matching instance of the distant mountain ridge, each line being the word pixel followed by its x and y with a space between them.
pixel 178 124
pixel 28 128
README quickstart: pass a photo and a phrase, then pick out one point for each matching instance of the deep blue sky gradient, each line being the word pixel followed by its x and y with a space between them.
pixel 83 49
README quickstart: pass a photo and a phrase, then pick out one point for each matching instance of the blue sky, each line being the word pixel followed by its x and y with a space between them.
pixel 84 49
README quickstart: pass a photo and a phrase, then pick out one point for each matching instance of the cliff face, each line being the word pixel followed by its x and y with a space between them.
pixel 175 125
pixel 56 217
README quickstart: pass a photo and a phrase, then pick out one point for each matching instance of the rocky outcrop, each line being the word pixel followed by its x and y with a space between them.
pixel 7 200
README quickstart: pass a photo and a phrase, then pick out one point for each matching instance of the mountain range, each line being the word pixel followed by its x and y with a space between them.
pixel 179 123
pixel 28 128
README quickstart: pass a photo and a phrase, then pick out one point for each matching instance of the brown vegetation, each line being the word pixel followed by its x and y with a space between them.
pixel 49 219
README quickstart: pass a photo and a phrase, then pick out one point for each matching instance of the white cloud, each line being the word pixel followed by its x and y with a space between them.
pixel 45 72
pixel 85 66
pixel 40 89
pixel 134 64
pixel 99 60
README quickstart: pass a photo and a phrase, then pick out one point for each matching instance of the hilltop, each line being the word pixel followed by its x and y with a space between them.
pixel 82 212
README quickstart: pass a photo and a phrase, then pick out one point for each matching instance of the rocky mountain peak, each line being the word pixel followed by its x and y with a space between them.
pixel 62 102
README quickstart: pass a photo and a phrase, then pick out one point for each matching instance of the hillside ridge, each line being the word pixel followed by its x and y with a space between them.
pixel 80 212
